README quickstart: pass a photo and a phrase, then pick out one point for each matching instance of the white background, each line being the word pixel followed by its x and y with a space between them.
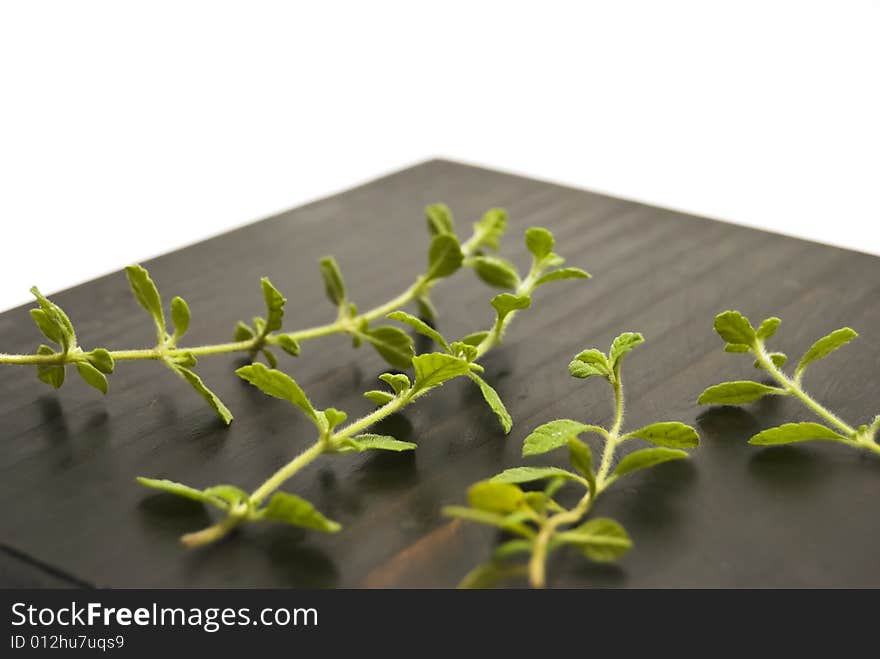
pixel 131 129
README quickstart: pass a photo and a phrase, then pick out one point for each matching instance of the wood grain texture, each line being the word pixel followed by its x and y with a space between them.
pixel 733 516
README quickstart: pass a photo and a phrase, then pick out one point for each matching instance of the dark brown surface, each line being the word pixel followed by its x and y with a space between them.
pixel 735 515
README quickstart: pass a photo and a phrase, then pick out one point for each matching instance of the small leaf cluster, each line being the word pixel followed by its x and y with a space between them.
pixel 93 366
pixel 181 363
pixel 262 333
pixel 741 337
pixel 534 522
pixel 501 273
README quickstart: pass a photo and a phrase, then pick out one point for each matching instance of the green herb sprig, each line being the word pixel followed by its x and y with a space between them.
pixel 445 256
pixel 538 522
pixel 431 370
pixel 740 336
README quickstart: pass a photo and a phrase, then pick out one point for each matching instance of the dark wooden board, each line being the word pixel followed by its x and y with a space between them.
pixel 733 516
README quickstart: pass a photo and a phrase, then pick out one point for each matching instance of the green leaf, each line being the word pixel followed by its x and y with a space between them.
pixel 580 370
pixel 600 539
pixel 334 285
pixel 53 322
pixel 506 303
pixel 537 501
pixel 280 385
pixel 147 294
pixel 562 273
pixel 496 271
pixel 231 495
pixel 735 393
pixel 397 381
pixel 369 442
pixel 795 432
pixel 243 332
pixel 512 523
pixel 539 242
pixel 92 376
pixel 552 435
pixel 378 397
pixel 210 397
pixel 434 368
pixel 185 359
pixel 180 316
pixel 733 327
pixel 47 325
pixel 511 548
pixel 825 346
pixel 622 345
pixel 528 474
pixel 475 339
pixel 289 508
pixel 287 343
pixel 491 227
pixel 426 308
pixel 495 497
pixel 444 256
pixel 51 374
pixel 647 457
pixel 768 328
pixel 179 489
pixel 270 358
pixel 490 574
pixel 464 350
pixel 101 359
pixel 274 305
pixel 737 347
pixel 494 400
pixel 588 363
pixel 393 344
pixel 419 326
pixel 778 359
pixel 671 434
pixel 581 458
pixel 334 417
pixel 440 219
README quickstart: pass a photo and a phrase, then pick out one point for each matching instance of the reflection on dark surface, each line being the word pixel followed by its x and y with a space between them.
pixel 793 467
pixel 727 426
pixel 648 501
pixel 385 471
pixel 603 575
pixel 294 564
pixel 53 417
pixel 279 546
pixel 172 516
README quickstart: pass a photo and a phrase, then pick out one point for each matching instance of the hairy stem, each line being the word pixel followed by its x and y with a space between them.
pixel 496 334
pixel 286 472
pixel 339 326
pixel 794 388
pixel 538 561
pixel 275 481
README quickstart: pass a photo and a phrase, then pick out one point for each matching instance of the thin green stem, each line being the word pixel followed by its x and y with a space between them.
pixel 341 325
pixel 794 388
pixel 324 444
pixel 538 560
pixel 496 334
pixel 286 472
pixel 213 532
